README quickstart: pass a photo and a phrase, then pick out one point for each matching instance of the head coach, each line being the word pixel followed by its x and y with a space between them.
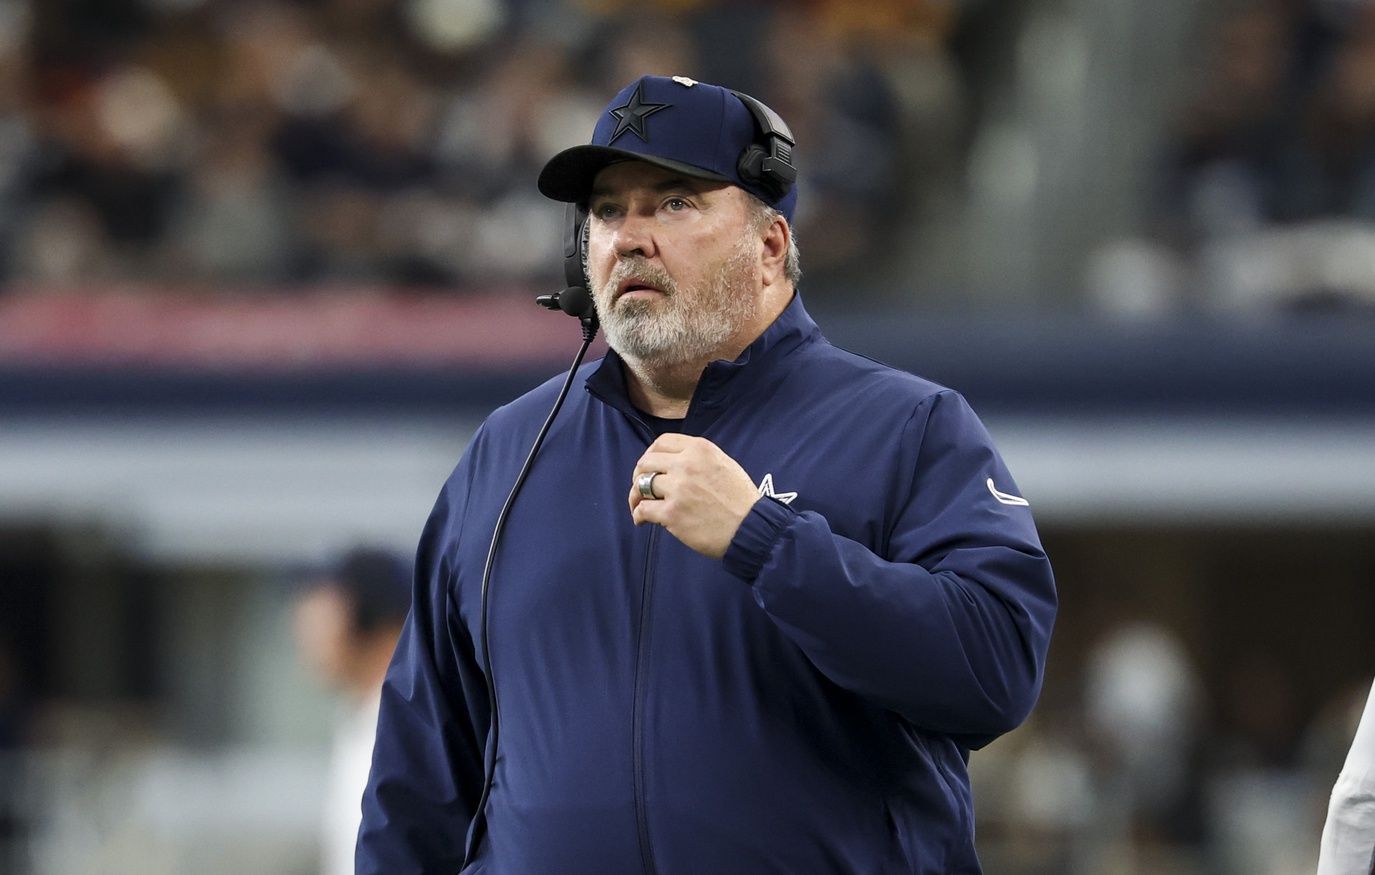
pixel 758 598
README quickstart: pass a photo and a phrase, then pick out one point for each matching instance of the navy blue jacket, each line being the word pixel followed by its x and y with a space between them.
pixel 805 705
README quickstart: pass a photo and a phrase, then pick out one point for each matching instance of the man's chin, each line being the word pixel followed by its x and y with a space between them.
pixel 634 347
pixel 635 343
pixel 638 307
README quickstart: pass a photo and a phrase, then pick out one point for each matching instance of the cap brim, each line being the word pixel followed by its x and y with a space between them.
pixel 568 175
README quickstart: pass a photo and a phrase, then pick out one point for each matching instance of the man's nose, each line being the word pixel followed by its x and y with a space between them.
pixel 635 236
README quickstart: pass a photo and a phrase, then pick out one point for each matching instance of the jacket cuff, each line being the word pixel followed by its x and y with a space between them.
pixel 754 540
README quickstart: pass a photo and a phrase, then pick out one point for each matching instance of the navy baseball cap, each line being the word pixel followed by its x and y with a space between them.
pixel 692 127
pixel 376 581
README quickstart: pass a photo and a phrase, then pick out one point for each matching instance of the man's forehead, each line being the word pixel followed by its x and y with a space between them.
pixel 624 176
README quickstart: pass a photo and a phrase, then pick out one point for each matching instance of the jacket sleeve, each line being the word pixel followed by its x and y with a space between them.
pixel 1348 836
pixel 950 626
pixel 427 760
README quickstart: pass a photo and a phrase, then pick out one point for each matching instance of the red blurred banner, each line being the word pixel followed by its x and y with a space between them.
pixel 344 326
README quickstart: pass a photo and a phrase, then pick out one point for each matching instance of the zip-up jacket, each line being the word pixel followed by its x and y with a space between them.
pixel 806 704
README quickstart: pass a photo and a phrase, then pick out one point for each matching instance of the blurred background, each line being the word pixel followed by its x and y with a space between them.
pixel 265 265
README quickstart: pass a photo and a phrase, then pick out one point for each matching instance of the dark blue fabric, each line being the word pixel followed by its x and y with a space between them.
pixel 692 126
pixel 807 704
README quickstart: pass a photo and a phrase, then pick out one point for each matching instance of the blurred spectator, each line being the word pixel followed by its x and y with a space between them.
pixel 1267 190
pixel 347 622
pixel 1039 797
pixel 1142 703
pixel 1259 794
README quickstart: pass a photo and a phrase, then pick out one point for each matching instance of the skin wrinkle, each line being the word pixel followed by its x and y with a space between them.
pixel 690 323
pixel 713 252
pixel 679 338
pixel 761 214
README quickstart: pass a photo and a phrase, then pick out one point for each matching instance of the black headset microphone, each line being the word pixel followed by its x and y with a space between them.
pixel 766 163
pixel 575 300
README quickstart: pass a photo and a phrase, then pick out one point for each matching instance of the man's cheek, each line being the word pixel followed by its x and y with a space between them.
pixel 601 291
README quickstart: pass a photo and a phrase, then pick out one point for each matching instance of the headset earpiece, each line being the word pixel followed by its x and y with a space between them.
pixel 575 299
pixel 575 217
pixel 768 163
pixel 751 165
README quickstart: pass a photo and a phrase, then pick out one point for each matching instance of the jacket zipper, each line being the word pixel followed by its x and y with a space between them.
pixel 637 716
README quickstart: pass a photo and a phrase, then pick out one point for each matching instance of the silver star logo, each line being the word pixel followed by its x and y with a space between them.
pixel 766 491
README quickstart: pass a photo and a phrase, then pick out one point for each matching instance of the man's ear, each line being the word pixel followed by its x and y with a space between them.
pixel 777 236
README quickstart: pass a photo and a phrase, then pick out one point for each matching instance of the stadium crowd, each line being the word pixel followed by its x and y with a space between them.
pixel 1265 184
pixel 282 143
pixel 370 141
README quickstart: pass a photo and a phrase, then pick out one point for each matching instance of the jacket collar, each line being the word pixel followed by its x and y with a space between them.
pixel 722 381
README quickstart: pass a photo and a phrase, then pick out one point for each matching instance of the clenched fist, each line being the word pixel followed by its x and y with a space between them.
pixel 704 494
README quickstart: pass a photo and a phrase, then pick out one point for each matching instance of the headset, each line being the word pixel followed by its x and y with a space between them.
pixel 765 163
pixel 575 299
pixel 768 162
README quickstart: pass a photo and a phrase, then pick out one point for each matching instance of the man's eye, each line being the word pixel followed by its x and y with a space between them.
pixel 604 211
pixel 675 204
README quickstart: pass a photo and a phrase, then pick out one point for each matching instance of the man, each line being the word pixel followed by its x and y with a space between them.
pixel 347 621
pixel 758 598
pixel 1348 836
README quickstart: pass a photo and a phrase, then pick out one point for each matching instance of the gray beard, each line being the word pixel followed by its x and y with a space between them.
pixel 682 328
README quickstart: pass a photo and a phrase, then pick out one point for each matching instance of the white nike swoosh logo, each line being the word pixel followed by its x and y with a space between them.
pixel 1005 498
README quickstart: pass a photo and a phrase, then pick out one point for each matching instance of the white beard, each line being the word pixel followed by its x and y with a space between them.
pixel 681 327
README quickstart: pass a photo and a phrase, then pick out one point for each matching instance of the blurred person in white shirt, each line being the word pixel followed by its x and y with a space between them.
pixel 1348 837
pixel 347 621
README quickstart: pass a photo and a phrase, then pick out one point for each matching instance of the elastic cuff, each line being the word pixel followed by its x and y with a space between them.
pixel 754 540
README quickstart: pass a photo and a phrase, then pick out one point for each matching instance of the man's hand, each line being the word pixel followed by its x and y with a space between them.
pixel 703 493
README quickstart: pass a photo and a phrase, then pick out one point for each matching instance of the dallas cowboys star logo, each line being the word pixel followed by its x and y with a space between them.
pixel 631 116
pixel 766 491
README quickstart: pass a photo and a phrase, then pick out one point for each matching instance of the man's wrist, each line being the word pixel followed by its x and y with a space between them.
pixel 755 538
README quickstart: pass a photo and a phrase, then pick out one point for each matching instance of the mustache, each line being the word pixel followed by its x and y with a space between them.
pixel 642 270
